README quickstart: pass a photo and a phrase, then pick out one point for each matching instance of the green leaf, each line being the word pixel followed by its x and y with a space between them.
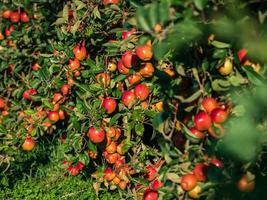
pixel 84 158
pixel 253 76
pixel 200 4
pixel 220 45
pixel 75 27
pixel 115 119
pixel 220 85
pixel 79 4
pixel 139 129
pixel 96 13
pixel 141 19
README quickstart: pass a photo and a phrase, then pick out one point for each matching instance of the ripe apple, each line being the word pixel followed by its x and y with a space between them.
pixel 219 115
pixel 61 114
pixel 202 121
pixel 156 184
pixel 28 144
pixel 53 116
pixel 96 135
pixel 128 98
pixel 146 70
pixel 65 89
pixel 141 91
pixel 121 148
pixel 57 97
pixel 216 162
pixel 73 170
pixel 241 54
pixel 80 165
pixel 150 195
pixel 9 30
pixel 122 69
pixel 244 185
pixel 197 133
pixel 36 67
pixel 106 2
pixel 74 64
pixel 188 182
pixel 122 185
pixel 2 103
pixel 27 94
pixel 24 17
pixel 119 164
pixel 109 175
pixel 79 52
pixel 14 17
pixel 200 171
pixel 103 79
pixel 127 34
pixel 112 158
pixel 112 147
pixel 144 52
pixel 209 104
pixel 151 173
pixel 129 59
pixel 134 79
pixel 6 14
pixel 109 104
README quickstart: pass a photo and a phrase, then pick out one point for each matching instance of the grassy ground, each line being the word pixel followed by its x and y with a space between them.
pixel 55 187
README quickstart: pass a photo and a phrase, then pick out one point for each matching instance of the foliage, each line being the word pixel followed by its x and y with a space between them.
pixel 67 79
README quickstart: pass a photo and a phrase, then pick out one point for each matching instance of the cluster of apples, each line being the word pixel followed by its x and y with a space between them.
pixel 189 182
pixel 212 116
pixel 3 108
pixel 113 154
pixel 73 169
pixel 118 175
pixel 15 17
pixel 150 192
pixel 45 117
pixel 74 66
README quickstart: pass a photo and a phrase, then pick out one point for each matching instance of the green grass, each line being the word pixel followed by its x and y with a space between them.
pixel 55 187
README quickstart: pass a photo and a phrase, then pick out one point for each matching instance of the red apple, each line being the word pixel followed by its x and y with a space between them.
pixel 202 121
pixel 188 182
pixel 129 59
pixel 28 144
pixel 128 98
pixel 209 104
pixel 79 52
pixel 141 91
pixel 24 17
pixel 218 115
pixel 109 104
pixel 96 135
pixel 144 52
